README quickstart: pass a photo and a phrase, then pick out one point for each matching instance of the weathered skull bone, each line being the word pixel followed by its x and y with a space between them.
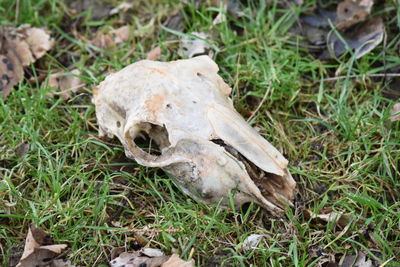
pixel 205 144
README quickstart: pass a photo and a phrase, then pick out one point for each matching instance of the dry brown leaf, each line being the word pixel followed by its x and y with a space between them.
pixel 39 250
pixel 361 38
pixel 395 109
pixel 350 12
pixel 154 53
pixel 175 261
pixel 20 47
pixel 39 41
pixel 121 34
pixel 114 37
pixel 359 259
pixel 329 216
pixel 147 257
pixel 135 259
pixel 102 41
pixel 152 252
pixel 67 82
pixel 10 74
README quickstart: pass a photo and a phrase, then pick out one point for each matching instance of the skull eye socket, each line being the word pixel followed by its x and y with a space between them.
pixel 148 139
pixel 147 144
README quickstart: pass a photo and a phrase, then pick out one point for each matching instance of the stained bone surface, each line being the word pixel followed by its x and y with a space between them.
pixel 184 107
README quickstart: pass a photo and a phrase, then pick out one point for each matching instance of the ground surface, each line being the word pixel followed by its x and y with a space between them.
pixel 343 150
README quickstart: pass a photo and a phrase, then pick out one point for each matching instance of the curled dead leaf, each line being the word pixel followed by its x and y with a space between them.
pixel 67 82
pixel 175 261
pixel 102 41
pixel 39 41
pixel 39 249
pixel 361 38
pixel 330 216
pixel 20 47
pixel 139 258
pixel 112 38
pixel 121 34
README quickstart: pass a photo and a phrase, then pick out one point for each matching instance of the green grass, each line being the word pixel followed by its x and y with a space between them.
pixel 343 150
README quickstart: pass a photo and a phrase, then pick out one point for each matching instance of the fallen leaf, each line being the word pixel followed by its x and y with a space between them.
pixel 361 38
pixel 152 252
pixel 175 261
pixel 67 82
pixel 98 9
pixel 39 249
pixel 102 41
pixel 20 47
pixel 359 260
pixel 395 112
pixel 135 259
pixel 123 7
pixel 350 12
pixel 192 46
pixel 121 34
pixel 330 216
pixel 154 53
pixel 219 18
pixel 139 259
pixel 251 242
pixel 39 41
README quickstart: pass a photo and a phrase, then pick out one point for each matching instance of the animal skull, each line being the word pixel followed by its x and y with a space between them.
pixel 205 144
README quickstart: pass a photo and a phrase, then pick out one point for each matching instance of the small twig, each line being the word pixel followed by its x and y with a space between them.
pixel 73 88
pixel 261 103
pixel 362 75
pixel 137 230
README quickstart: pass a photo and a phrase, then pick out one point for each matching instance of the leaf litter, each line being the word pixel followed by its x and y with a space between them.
pixel 20 47
pixel 67 82
pixel 348 28
pixel 148 257
pixel 195 45
pixel 40 250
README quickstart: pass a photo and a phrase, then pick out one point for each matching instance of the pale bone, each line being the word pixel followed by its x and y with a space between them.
pixel 184 107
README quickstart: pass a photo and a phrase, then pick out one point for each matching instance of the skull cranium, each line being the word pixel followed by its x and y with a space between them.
pixel 210 150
